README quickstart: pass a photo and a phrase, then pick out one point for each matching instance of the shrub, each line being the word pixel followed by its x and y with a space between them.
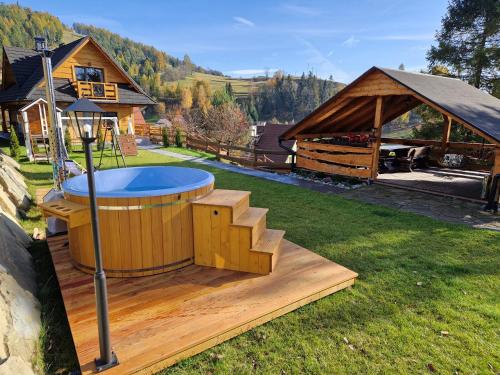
pixel 164 134
pixel 15 150
pixel 178 138
pixel 67 140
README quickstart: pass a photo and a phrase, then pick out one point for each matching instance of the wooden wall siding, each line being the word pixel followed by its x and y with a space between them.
pixel 124 113
pixel 89 55
pixel 138 242
pixel 376 84
pixel 335 159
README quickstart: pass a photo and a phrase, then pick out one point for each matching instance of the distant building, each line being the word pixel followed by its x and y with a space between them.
pixel 268 139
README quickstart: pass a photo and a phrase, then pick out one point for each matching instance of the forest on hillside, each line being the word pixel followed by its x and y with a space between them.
pixel 281 98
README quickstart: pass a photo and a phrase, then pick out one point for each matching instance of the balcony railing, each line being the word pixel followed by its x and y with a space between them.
pixel 97 90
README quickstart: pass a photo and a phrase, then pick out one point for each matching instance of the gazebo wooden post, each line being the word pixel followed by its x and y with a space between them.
pixel 5 129
pixel 377 130
pixel 446 133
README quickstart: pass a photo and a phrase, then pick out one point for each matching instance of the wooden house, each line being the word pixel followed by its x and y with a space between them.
pixel 81 68
pixel 379 96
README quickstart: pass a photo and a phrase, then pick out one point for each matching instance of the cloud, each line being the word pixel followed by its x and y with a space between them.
pixel 321 64
pixel 301 10
pixel 243 21
pixel 350 42
pixel 403 37
pixel 250 72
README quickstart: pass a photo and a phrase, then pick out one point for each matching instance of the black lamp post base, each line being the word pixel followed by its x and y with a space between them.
pixel 100 365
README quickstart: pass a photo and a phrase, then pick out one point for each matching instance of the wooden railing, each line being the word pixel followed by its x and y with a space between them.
pixel 97 90
pixel 246 156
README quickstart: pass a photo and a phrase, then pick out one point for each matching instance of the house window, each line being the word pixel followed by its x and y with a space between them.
pixel 89 74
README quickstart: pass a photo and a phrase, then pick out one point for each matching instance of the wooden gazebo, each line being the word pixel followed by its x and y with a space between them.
pixel 379 96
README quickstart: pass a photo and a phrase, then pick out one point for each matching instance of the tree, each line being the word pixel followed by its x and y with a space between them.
pixel 401 66
pixel 220 97
pixel 67 140
pixel 186 98
pixel 164 136
pixel 469 42
pixel 15 150
pixel 225 123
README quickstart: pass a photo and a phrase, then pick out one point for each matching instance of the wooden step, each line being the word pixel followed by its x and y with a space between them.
pixel 269 242
pixel 73 213
pixel 236 199
pixel 254 219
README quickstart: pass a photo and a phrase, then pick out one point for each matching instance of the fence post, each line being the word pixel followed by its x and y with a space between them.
pixel 217 156
pixel 254 157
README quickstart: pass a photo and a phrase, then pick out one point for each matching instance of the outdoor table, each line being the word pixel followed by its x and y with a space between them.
pixel 389 155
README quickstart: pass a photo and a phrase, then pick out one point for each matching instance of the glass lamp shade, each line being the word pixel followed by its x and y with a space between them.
pixel 87 117
pixel 40 44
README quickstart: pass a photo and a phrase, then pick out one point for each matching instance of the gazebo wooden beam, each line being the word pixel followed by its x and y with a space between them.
pixel 446 132
pixel 455 118
pixel 377 130
pixel 318 117
pixel 344 113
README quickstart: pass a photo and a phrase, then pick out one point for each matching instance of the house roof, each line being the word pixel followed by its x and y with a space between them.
pixel 465 103
pixel 269 140
pixel 138 117
pixel 28 71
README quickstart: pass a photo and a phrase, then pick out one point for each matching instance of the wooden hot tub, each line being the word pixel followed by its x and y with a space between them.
pixel 145 219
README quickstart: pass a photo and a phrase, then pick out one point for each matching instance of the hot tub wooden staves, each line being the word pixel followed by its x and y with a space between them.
pixel 139 236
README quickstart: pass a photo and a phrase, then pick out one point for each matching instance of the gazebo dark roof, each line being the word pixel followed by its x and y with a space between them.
pixel 465 103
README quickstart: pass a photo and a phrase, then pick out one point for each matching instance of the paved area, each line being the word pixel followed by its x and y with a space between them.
pixel 451 210
pixel 453 182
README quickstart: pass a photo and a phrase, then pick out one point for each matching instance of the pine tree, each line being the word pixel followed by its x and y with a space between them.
pixel 15 149
pixel 468 42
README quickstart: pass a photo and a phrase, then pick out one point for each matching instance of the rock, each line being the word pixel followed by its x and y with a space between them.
pixel 6 159
pixel 15 175
pixel 19 310
pixel 16 191
pixel 6 204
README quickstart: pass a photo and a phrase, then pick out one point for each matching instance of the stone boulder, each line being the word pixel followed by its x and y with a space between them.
pixel 19 309
pixel 14 186
pixel 6 159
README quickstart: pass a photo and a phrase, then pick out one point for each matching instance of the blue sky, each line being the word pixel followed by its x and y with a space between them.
pixel 244 38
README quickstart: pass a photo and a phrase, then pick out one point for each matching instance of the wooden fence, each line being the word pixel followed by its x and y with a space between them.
pixel 335 159
pixel 246 156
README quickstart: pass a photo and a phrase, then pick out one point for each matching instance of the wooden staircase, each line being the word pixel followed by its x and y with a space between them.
pixel 230 234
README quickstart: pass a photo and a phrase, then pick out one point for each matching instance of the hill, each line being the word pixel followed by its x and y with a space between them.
pixel 276 98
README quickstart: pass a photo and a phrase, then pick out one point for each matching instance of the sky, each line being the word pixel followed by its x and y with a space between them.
pixel 247 38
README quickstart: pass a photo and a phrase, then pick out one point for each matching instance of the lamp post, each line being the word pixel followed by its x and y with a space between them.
pixel 88 132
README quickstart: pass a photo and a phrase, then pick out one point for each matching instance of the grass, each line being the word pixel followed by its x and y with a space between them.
pixel 418 277
pixel 189 152
pixel 241 87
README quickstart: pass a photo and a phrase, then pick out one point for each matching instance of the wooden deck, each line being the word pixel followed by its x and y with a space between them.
pixel 159 320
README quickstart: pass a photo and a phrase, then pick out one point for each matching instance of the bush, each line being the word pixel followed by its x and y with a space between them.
pixel 164 134
pixel 15 150
pixel 178 138
pixel 67 140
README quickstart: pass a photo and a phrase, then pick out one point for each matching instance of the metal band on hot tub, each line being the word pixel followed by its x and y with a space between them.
pixel 151 205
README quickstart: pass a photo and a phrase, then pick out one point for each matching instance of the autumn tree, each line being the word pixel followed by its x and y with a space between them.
pixel 469 42
pixel 225 123
pixel 186 98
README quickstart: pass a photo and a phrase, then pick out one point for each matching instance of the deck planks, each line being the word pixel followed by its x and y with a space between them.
pixel 161 319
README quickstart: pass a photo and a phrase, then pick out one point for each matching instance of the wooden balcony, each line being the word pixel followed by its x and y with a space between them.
pixel 97 90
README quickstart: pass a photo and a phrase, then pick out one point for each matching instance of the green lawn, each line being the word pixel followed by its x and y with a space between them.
pixel 417 278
